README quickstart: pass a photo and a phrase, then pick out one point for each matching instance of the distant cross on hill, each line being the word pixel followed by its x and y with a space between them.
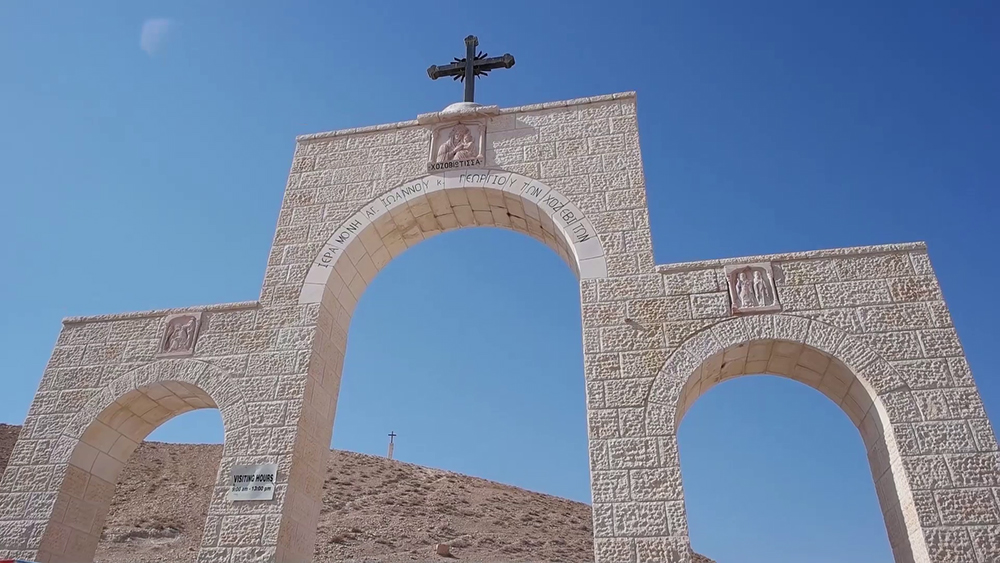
pixel 391 436
pixel 470 67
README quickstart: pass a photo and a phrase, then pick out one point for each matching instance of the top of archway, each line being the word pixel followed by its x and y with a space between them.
pixel 155 313
pixel 485 111
pixel 875 375
pixel 209 378
pixel 543 204
pixel 458 110
pixel 789 256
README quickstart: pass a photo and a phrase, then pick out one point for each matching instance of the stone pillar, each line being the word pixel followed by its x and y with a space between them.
pixel 868 328
pixel 568 174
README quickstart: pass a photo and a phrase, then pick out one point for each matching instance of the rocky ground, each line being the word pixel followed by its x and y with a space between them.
pixel 374 510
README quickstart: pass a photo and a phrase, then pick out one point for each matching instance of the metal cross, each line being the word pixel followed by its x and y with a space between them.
pixel 470 67
pixel 392 435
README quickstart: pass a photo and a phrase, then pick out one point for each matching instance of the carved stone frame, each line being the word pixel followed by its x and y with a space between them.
pixel 478 124
pixel 160 353
pixel 732 270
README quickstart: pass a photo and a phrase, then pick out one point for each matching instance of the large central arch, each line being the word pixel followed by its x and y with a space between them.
pixel 363 244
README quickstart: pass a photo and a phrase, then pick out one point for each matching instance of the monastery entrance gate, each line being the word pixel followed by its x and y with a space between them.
pixel 867 327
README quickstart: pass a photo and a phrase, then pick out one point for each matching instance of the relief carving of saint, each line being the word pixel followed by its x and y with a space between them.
pixel 460 145
pixel 743 290
pixel 760 289
pixel 752 288
pixel 180 335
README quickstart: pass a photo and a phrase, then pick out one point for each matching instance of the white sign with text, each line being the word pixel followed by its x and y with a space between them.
pixel 253 482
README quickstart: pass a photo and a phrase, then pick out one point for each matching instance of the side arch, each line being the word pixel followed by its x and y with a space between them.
pixel 867 388
pixel 97 442
pixel 199 384
pixel 421 208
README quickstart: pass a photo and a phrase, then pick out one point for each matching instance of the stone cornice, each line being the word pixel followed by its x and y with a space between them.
pixel 435 117
pixel 789 256
pixel 161 312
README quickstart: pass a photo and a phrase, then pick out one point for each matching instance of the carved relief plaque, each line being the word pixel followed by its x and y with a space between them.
pixel 180 335
pixel 458 145
pixel 751 288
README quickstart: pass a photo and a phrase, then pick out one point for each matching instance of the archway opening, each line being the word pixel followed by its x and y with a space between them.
pixel 102 450
pixel 831 377
pixel 463 347
pixel 384 229
pixel 163 492
pixel 773 472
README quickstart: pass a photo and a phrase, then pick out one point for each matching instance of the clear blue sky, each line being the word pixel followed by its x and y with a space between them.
pixel 135 179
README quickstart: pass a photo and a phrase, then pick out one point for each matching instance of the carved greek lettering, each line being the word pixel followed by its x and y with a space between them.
pixel 533 190
pixel 414 188
pixel 568 216
pixel 553 202
pixel 328 256
pixel 392 198
pixel 349 230
pixel 580 232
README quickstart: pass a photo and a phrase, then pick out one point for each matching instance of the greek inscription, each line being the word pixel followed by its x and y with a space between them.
pixel 751 293
pixel 349 229
pixel 498 179
pixel 471 178
pixel 532 190
pixel 414 188
pixel 438 166
pixel 484 179
pixel 392 198
pixel 328 256
pixel 568 216
pixel 553 202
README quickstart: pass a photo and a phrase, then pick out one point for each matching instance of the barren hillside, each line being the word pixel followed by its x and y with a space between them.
pixel 374 510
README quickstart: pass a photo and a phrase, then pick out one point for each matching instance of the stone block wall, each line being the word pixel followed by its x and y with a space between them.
pixel 582 161
pixel 104 390
pixel 568 174
pixel 867 327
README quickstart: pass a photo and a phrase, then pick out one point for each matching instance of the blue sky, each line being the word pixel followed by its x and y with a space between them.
pixel 147 174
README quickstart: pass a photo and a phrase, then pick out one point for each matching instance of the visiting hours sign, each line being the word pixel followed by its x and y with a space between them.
pixel 253 482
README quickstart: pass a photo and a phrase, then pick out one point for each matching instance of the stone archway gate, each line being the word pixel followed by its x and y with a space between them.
pixel 868 327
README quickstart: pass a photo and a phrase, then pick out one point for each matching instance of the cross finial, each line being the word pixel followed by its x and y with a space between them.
pixel 474 64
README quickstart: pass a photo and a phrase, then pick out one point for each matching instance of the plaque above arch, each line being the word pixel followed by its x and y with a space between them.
pixel 454 199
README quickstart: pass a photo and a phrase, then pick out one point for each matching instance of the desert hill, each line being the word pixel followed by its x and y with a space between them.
pixel 374 510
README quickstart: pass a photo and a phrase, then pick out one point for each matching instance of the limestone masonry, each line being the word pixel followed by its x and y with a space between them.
pixel 867 327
